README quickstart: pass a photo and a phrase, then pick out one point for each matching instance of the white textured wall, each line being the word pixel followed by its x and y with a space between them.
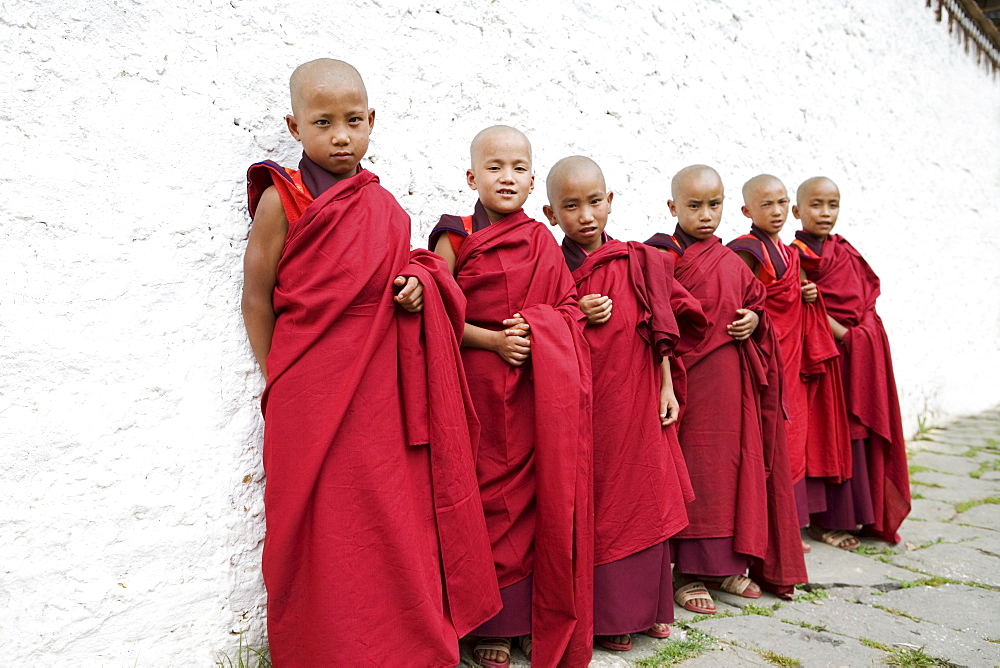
pixel 130 435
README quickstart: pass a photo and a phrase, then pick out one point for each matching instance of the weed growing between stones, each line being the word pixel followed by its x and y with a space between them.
pixel 779 659
pixel 993 640
pixel 672 651
pixel 874 644
pixel 871 550
pixel 926 484
pixel 917 468
pixel 806 625
pixel 934 581
pixel 993 465
pixel 810 595
pixel 246 657
pixel 898 613
pixel 908 657
pixel 754 609
pixel 966 505
pixel 924 428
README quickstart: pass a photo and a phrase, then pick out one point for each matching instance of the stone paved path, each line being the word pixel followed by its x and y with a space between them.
pixel 934 599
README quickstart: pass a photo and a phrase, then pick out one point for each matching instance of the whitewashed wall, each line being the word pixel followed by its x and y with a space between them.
pixel 130 434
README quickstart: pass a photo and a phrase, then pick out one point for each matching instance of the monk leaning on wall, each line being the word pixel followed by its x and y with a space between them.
pixel 376 551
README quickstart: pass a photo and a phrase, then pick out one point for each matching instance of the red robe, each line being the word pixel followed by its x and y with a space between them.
pixel 375 541
pixel 850 288
pixel 819 443
pixel 641 483
pixel 534 460
pixel 734 437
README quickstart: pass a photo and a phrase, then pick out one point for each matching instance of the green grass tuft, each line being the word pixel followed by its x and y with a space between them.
pixel 779 659
pixel 913 658
pixel 992 465
pixel 874 644
pixel 898 613
pixel 933 581
pixel 871 550
pixel 806 625
pixel 246 657
pixel 966 505
pixel 673 651
pixel 811 595
pixel 754 609
pixel 993 640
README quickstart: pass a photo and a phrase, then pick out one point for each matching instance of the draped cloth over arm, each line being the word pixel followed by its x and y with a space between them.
pixel 534 459
pixel 374 524
pixel 850 288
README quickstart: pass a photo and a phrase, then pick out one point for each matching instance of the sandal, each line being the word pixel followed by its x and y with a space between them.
pixel 608 642
pixel 524 642
pixel 838 539
pixel 492 644
pixel 658 630
pixel 691 592
pixel 734 584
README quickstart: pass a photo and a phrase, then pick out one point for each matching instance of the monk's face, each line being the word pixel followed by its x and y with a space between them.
pixel 580 207
pixel 768 207
pixel 334 123
pixel 698 204
pixel 818 208
pixel 501 173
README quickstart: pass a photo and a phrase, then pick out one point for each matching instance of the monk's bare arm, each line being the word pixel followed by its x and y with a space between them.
pixel 749 259
pixel 444 249
pixel 809 290
pixel 839 331
pixel 260 266
pixel 668 400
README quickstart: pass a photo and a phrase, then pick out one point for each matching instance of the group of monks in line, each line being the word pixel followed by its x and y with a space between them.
pixel 550 446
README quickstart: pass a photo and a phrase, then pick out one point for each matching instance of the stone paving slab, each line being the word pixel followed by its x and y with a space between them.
pixel 944 463
pixel 811 648
pixel 952 489
pixel 888 628
pixel 928 509
pixel 970 609
pixel 986 516
pixel 829 566
pixel 921 533
pixel 729 656
pixel 958 562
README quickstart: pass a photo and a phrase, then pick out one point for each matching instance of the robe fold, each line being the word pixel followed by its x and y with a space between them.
pixel 534 461
pixel 850 289
pixel 641 483
pixel 732 432
pixel 375 538
pixel 818 438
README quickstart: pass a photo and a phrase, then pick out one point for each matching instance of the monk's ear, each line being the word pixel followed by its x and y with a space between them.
pixel 795 211
pixel 672 207
pixel 611 196
pixel 470 178
pixel 550 214
pixel 746 211
pixel 293 126
pixel 371 120
pixel 531 188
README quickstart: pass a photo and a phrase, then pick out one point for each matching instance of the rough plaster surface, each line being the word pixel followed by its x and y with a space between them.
pixel 130 430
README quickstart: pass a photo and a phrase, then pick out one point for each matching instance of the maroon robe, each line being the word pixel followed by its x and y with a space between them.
pixel 534 459
pixel 641 483
pixel 850 288
pixel 818 439
pixel 375 537
pixel 732 432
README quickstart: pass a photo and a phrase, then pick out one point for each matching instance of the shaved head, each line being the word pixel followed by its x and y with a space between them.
pixel 810 185
pixel 758 182
pixel 693 174
pixel 324 73
pixel 497 133
pixel 570 169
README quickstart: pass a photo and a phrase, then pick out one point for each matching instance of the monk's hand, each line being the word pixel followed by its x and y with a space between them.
pixel 809 292
pixel 411 297
pixel 668 406
pixel 742 329
pixel 516 325
pixel 597 308
pixel 513 348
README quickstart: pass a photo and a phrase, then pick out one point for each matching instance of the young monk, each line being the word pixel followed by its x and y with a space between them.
pixel 529 374
pixel 376 551
pixel 819 446
pixel 732 434
pixel 640 480
pixel 878 494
